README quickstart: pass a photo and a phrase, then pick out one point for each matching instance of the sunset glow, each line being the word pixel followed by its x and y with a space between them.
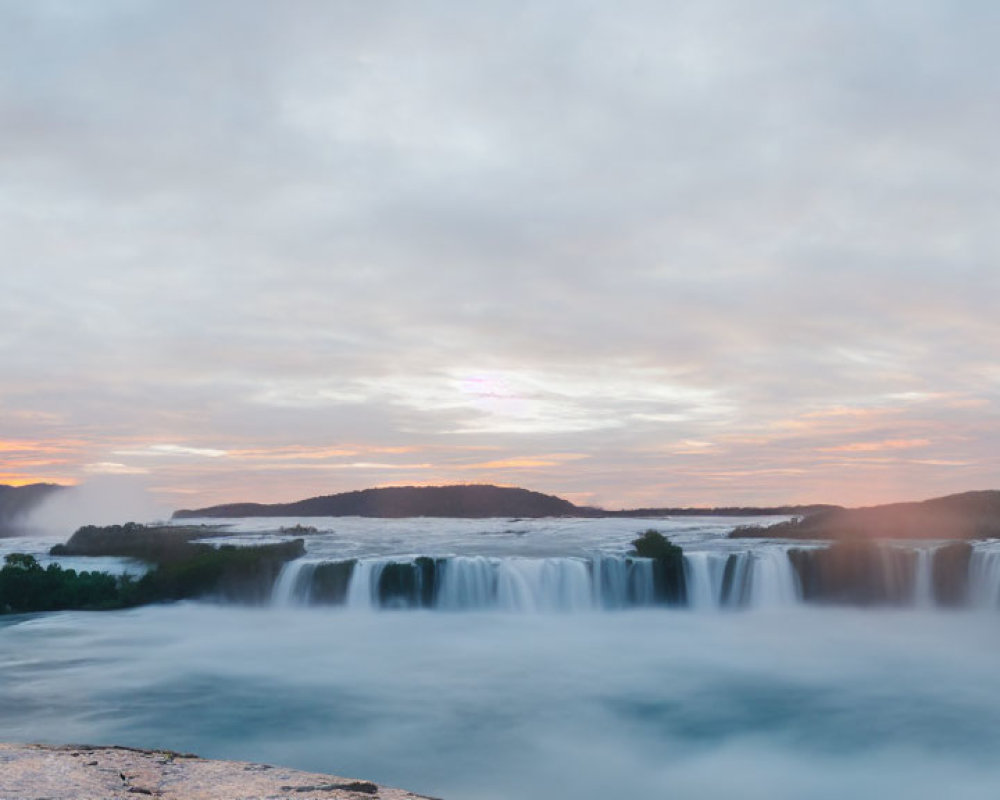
pixel 617 272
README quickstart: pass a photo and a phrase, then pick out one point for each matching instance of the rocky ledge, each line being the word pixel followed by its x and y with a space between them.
pixel 80 772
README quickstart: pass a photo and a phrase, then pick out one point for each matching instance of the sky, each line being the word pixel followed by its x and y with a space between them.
pixel 632 253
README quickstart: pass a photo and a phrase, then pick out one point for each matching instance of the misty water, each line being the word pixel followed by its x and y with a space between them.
pixel 772 699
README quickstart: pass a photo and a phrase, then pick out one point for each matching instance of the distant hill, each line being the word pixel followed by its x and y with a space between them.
pixel 17 501
pixel 465 501
pixel 407 501
pixel 970 515
pixel 720 511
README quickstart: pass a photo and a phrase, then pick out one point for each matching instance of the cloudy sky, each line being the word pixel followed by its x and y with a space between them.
pixel 631 253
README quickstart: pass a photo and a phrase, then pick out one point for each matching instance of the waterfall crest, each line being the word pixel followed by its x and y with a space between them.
pixel 773 575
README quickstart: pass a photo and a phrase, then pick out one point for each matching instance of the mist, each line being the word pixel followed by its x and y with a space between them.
pixel 797 703
pixel 104 500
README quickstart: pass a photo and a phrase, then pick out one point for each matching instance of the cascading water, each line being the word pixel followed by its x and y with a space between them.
pixel 362 591
pixel 737 580
pixel 550 584
pixel 898 575
pixel 750 578
pixel 517 588
pixel 701 584
pixel 640 590
pixel 463 583
pixel 467 582
pixel 294 583
pixel 611 581
pixel 984 578
pixel 923 584
pixel 773 581
pixel 760 577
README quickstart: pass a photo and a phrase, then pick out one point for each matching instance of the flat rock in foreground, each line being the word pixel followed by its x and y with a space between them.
pixel 80 772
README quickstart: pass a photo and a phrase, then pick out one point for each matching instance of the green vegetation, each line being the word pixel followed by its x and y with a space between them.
pixel 245 574
pixel 182 570
pixel 27 586
pixel 330 582
pixel 669 580
pixel 406 585
pixel 653 544
pixel 298 530
pixel 151 543
pixel 754 531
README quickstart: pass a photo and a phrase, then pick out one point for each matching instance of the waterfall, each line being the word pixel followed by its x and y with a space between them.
pixel 984 578
pixel 464 583
pixel 611 581
pixel 923 583
pixel 294 583
pixel 898 576
pixel 865 573
pixel 773 580
pixel 467 582
pixel 621 581
pixel 704 572
pixel 362 591
pixel 548 584
pixel 737 578
pixel 641 589
pixel 757 578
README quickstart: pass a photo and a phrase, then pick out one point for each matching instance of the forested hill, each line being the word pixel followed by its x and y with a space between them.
pixel 719 511
pixel 407 501
pixel 970 515
pixel 464 501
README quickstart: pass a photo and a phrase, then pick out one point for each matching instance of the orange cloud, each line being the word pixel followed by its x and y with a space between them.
pixel 24 457
pixel 512 463
pixel 41 462
pixel 114 468
pixel 20 479
pixel 849 411
pixel 876 447
pixel 742 473
pixel 293 452
pixel 34 446
pixel 526 462
pixel 360 465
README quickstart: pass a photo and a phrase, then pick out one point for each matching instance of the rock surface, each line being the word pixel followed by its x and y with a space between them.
pixel 81 772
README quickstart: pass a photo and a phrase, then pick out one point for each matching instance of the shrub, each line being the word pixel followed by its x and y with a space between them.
pixel 26 586
pixel 653 544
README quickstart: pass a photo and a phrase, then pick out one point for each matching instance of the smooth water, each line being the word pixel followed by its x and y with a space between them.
pixel 536 676
pixel 791 703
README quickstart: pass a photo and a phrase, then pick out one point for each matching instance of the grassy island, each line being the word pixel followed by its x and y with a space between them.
pixel 181 569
